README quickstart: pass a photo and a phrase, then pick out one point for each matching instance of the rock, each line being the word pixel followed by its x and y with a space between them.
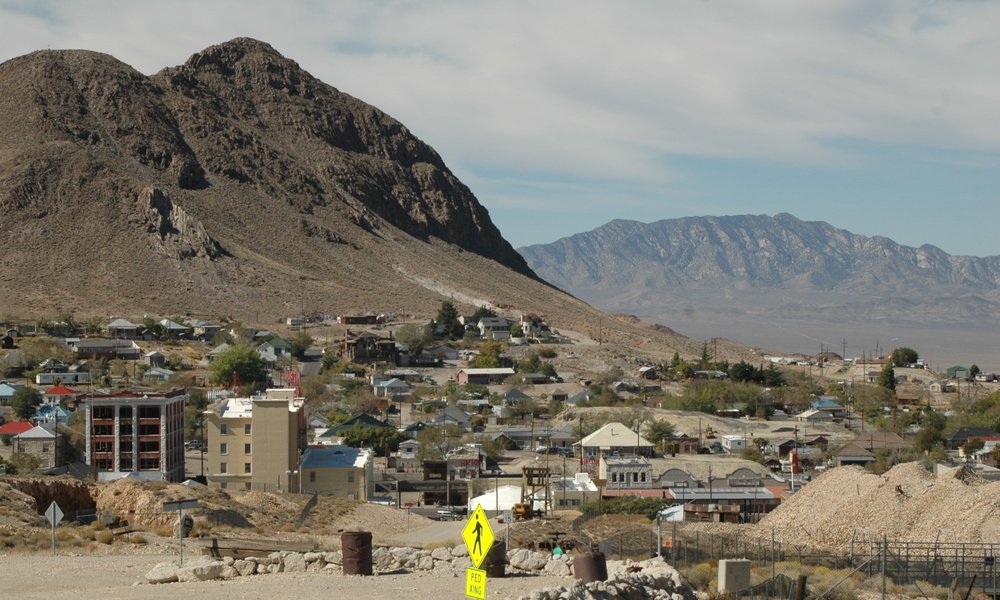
pixel 228 560
pixel 527 560
pixel 260 560
pixel 443 568
pixel 312 556
pixel 263 569
pixel 425 563
pixel 294 563
pixel 244 567
pixel 336 557
pixel 164 572
pixel 273 568
pixel 441 553
pixel 315 566
pixel 461 562
pixel 229 572
pixel 557 567
pixel 460 550
pixel 203 569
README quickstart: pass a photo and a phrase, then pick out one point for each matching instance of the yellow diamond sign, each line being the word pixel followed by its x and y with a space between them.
pixel 478 536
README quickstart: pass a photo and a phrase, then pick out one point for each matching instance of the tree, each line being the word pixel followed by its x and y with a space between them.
pixel 25 402
pixel 887 378
pixel 447 320
pixel 300 342
pixel 904 356
pixel 706 358
pixel 240 361
pixel 414 338
pixel 380 439
pixel 972 446
pixel 490 356
pixel 974 370
pixel 435 442
pixel 481 313
pixel 659 430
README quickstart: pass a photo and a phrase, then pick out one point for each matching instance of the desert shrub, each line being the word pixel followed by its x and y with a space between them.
pixel 702 576
pixel 105 536
pixel 137 539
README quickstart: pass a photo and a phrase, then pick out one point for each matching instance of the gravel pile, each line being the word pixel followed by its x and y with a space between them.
pixel 906 503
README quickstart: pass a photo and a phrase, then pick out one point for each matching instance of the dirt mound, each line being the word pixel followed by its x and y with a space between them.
pixel 907 503
pixel 70 494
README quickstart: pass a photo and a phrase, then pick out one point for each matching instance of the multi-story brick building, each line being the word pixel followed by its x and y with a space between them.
pixel 140 433
pixel 256 442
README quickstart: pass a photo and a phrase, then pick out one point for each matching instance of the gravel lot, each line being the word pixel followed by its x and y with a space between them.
pixel 120 577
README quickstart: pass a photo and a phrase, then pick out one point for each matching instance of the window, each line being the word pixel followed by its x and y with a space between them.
pixel 642 477
pixel 635 478
pixel 246 467
pixel 247 486
pixel 45 447
pixel 103 446
pixel 223 429
pixel 246 448
pixel 312 476
pixel 350 477
pixel 223 448
pixel 246 429
pixel 223 468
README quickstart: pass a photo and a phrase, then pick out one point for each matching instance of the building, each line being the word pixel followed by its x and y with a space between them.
pixel 44 443
pixel 136 433
pixel 625 472
pixel 483 376
pixel 255 443
pixel 337 470
pixel 614 439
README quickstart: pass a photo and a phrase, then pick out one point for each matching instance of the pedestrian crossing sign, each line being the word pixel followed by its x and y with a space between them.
pixel 478 536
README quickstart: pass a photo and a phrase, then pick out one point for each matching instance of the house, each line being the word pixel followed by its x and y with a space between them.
pixel 391 389
pixel 368 319
pixel 51 413
pixel 494 328
pixel 613 439
pixel 959 437
pixel 44 443
pixel 211 354
pixel 514 396
pixel 317 421
pixel 136 433
pixel 122 329
pixel 204 330
pixel 533 438
pixel 733 444
pixel 63 377
pixel 173 329
pixel 852 454
pixel 409 449
pixel 534 378
pixel 340 471
pixel 255 443
pixel 535 326
pixel 7 391
pixel 362 420
pixel 440 352
pixel 648 373
pixel 413 429
pixel 155 359
pixel 112 349
pixel 577 398
pixel 814 416
pixel 454 415
pixel 680 444
pixel 483 376
pixel 275 349
pixel 15 427
pixel 370 348
pixel 157 374
pixel 830 405
pixel 958 372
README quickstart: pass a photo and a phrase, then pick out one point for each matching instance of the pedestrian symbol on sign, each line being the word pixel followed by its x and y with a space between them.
pixel 478 536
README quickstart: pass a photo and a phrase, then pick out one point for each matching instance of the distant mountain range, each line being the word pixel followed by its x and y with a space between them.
pixel 776 267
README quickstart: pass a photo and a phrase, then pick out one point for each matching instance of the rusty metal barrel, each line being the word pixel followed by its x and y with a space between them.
pixel 590 566
pixel 495 561
pixel 356 546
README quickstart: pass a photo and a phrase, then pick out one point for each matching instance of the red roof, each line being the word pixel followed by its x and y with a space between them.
pixel 16 427
pixel 59 390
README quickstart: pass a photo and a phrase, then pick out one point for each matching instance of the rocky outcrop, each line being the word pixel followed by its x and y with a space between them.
pixel 70 494
pixel 177 234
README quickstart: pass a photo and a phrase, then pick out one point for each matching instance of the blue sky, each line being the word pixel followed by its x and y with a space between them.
pixel 882 118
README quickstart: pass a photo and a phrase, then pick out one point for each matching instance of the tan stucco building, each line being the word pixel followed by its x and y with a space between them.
pixel 255 443
pixel 337 470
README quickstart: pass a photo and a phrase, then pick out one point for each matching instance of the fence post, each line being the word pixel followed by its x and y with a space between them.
pixel 800 588
pixel 882 560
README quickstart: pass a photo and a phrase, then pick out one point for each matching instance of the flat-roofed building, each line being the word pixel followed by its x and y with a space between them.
pixel 138 433
pixel 256 442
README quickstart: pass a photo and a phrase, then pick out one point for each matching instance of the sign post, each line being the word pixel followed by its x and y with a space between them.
pixel 179 506
pixel 478 538
pixel 54 514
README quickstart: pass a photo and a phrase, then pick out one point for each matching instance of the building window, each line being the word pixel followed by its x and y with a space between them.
pixel 223 468
pixel 45 447
pixel 246 448
pixel 223 429
pixel 350 477
pixel 246 467
pixel 246 429
pixel 223 448
pixel 247 486
pixel 642 477
pixel 635 478
pixel 312 476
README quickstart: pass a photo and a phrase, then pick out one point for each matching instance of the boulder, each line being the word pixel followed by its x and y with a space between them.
pixel 443 568
pixel 441 553
pixel 202 569
pixel 263 569
pixel 229 572
pixel 460 550
pixel 528 560
pixel 557 567
pixel 245 567
pixel 294 563
pixel 336 558
pixel 312 556
pixel 165 572
pixel 425 563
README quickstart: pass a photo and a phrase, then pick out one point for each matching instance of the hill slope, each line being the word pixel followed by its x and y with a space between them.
pixel 238 185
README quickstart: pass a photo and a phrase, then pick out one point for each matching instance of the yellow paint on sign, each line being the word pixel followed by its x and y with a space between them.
pixel 475 583
pixel 478 536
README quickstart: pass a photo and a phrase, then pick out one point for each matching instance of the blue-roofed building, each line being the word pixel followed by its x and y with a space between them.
pixel 51 413
pixel 338 470
pixel 7 390
pixel 829 404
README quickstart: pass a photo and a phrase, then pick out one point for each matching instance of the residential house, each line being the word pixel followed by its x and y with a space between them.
pixel 483 376
pixel 409 449
pixel 613 439
pixel 256 442
pixel 533 378
pixel 111 349
pixel 959 437
pixel 514 396
pixel 680 444
pixel 733 443
pixel 13 428
pixel 370 348
pixel 830 405
pixel 275 349
pixel 203 330
pixel 392 389
pixel 7 391
pixel 535 326
pixel 648 373
pixel 535 437
pixel 63 377
pixel 7 342
pixel 136 433
pixel 413 429
pixel 441 352
pixel 157 374
pixel 122 329
pixel 568 492
pixel 852 454
pixel 173 329
pixel 51 413
pixel 155 359
pixel 454 415
pixel 211 354
pixel 362 420
pixel 44 443
pixel 340 471
pixel 814 416
pixel 577 398
pixel 494 328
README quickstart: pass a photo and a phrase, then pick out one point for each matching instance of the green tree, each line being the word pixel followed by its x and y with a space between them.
pixel 706 358
pixel 240 361
pixel 658 430
pixel 490 356
pixel 974 370
pixel 300 342
pixel 447 320
pixel 887 378
pixel 482 312
pixel 26 401
pixel 972 446
pixel 7 468
pixel 381 439
pixel 904 356
pixel 414 338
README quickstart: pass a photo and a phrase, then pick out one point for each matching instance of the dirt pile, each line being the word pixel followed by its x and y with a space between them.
pixel 906 503
pixel 70 494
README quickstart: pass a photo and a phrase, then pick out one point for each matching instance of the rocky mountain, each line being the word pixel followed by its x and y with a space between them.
pixel 768 266
pixel 237 184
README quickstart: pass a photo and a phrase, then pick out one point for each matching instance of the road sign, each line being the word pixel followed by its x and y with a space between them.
pixel 478 536
pixel 475 583
pixel 54 514
pixel 179 505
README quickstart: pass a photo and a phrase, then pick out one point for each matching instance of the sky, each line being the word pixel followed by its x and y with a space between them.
pixel 882 118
